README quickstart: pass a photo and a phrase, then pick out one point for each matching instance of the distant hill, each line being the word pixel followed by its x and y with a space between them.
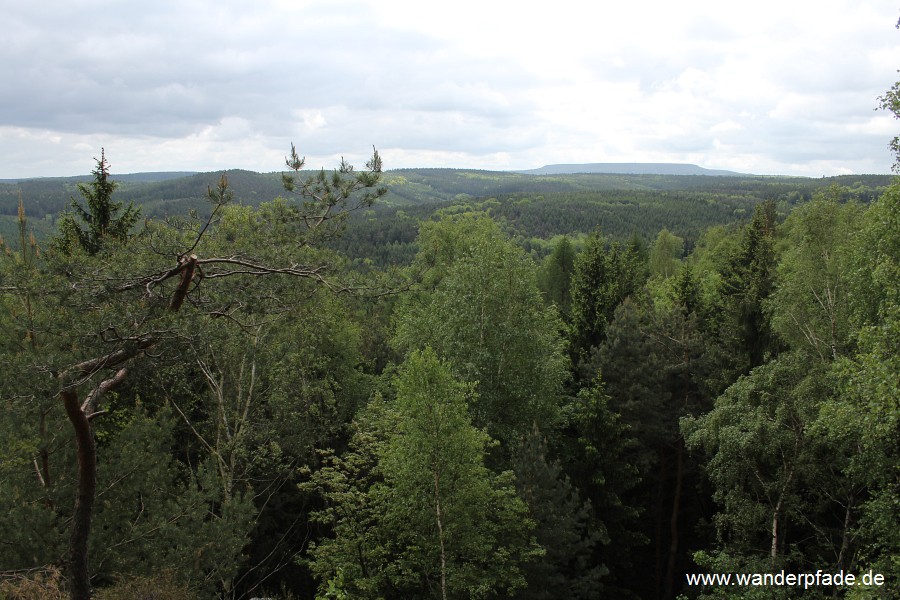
pixel 535 204
pixel 128 177
pixel 630 169
pixel 153 177
pixel 170 194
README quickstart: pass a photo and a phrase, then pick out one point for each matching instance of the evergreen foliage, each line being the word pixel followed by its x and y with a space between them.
pixel 476 395
pixel 89 227
pixel 555 276
pixel 565 528
pixel 605 275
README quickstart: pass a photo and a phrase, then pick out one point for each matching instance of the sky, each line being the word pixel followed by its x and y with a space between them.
pixel 787 87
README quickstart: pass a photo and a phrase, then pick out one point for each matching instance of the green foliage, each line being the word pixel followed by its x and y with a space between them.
pixel 232 395
pixel 330 199
pixel 437 482
pixel 149 521
pixel 185 494
pixel 602 464
pixel 810 307
pixel 801 451
pixel 865 416
pixel 654 364
pixel 413 507
pixel 633 373
pixel 761 452
pixel 605 275
pixel 485 316
pixel 354 558
pixel 746 282
pixel 665 254
pixel 90 227
pixel 565 527
pixel 555 276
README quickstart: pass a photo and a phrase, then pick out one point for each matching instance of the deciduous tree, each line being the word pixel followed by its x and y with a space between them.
pixel 418 514
pixel 487 319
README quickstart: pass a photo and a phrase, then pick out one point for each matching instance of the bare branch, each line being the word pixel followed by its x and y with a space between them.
pixel 90 367
pixel 187 266
pixel 89 407
pixel 221 196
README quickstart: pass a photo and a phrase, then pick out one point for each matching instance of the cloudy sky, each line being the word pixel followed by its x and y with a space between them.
pixel 769 87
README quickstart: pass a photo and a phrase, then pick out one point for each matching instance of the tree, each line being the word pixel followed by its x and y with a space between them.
pixel 810 306
pixel 555 277
pixel 273 393
pixel 748 280
pixel 356 557
pixel 112 309
pixel 800 450
pixel 784 500
pixel 100 220
pixel 605 274
pixel 866 413
pixel 601 460
pixel 486 318
pixel 565 527
pixel 653 367
pixel 438 523
pixel 665 254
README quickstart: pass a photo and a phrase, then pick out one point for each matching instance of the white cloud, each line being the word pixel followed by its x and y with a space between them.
pixel 779 87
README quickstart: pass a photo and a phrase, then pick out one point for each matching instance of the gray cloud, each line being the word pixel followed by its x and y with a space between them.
pixel 206 85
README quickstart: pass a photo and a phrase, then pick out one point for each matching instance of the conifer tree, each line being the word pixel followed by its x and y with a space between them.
pixel 564 527
pixel 747 282
pixel 89 227
pixel 605 274
pixel 555 276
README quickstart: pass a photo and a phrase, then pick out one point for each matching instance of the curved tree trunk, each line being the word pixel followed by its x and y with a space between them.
pixel 84 499
pixel 86 453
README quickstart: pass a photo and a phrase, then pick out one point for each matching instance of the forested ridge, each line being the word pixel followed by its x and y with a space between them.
pixel 448 384
pixel 169 194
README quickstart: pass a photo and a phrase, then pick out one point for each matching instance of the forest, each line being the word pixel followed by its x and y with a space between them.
pixel 449 384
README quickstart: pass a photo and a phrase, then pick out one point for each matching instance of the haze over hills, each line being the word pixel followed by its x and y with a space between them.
pixel 151 177
pixel 554 169
pixel 630 169
pixel 542 204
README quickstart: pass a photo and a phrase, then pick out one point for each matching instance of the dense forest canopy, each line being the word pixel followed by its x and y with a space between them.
pixel 435 383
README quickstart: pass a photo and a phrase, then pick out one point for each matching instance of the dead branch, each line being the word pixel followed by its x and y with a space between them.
pixel 89 406
pixel 90 367
pixel 187 266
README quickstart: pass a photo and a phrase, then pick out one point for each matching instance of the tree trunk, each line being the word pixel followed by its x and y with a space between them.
pixel 845 543
pixel 659 529
pixel 439 518
pixel 673 522
pixel 776 515
pixel 86 452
